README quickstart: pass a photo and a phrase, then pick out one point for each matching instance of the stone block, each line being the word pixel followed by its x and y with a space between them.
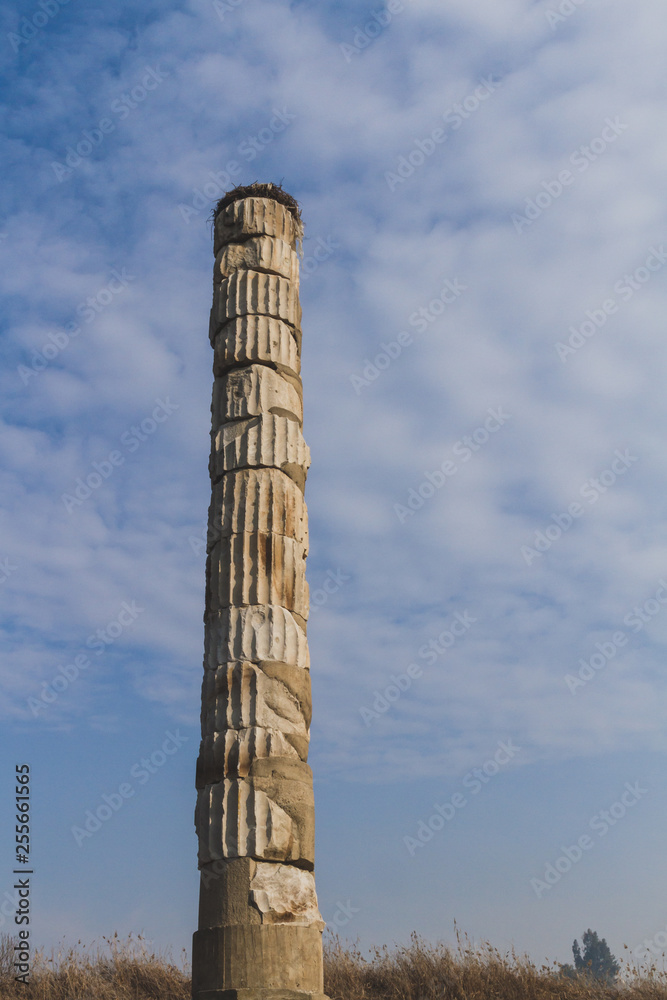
pixel 259 634
pixel 256 293
pixel 258 994
pixel 273 957
pixel 230 754
pixel 263 500
pixel 257 568
pixel 284 894
pixel 255 339
pixel 244 891
pixel 252 391
pixel 259 253
pixel 234 819
pixel 268 816
pixel 260 929
pixel 255 217
pixel 267 441
pixel 275 697
pixel 224 893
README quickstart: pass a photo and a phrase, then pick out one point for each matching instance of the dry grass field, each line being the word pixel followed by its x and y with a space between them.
pixel 419 971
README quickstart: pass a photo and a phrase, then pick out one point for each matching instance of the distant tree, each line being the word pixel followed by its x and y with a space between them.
pixel 596 960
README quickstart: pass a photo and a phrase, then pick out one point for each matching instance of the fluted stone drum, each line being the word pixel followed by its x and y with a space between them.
pixel 260 930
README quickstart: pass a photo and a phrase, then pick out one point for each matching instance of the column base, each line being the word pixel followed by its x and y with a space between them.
pixel 257 994
pixel 257 962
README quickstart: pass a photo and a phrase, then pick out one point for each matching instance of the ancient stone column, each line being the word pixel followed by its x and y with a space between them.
pixel 260 930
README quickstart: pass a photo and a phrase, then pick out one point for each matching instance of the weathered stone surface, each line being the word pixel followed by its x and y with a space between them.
pixel 252 391
pixel 260 927
pixel 245 891
pixel 230 754
pixel 260 634
pixel 256 293
pixel 224 893
pixel 234 819
pixel 258 500
pixel 285 894
pixel 255 217
pixel 255 339
pixel 258 994
pixel 267 441
pixel 301 622
pixel 275 697
pixel 257 568
pixel 259 253
pixel 264 957
pixel 269 815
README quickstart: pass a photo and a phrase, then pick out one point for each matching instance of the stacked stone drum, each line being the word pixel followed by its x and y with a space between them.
pixel 260 931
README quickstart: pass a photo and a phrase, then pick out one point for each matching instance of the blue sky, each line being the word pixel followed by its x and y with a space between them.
pixel 484 364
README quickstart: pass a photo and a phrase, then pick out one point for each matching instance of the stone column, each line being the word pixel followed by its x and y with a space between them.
pixel 260 930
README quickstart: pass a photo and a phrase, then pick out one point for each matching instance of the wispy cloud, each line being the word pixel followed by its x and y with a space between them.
pixel 564 124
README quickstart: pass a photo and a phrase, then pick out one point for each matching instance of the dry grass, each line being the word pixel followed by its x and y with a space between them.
pixel 421 971
pixel 115 971
pixel 129 971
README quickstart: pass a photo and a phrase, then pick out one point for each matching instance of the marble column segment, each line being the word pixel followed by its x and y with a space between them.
pixel 260 930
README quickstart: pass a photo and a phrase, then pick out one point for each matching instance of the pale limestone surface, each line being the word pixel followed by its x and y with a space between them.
pixel 284 893
pixel 258 500
pixel 251 392
pixel 275 697
pixel 256 293
pixel 232 752
pixel 268 440
pixel 259 634
pixel 250 339
pixel 242 821
pixel 271 961
pixel 259 934
pixel 255 217
pixel 268 815
pixel 259 253
pixel 257 568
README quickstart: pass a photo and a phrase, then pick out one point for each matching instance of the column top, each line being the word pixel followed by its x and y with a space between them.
pixel 274 191
pixel 257 209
